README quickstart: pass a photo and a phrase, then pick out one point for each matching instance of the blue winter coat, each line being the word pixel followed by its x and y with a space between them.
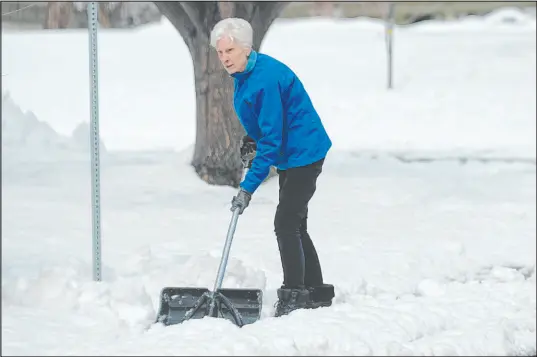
pixel 276 111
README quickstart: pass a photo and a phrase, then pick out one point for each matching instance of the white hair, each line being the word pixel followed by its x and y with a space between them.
pixel 237 29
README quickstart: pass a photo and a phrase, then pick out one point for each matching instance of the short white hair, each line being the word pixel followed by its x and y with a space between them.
pixel 237 29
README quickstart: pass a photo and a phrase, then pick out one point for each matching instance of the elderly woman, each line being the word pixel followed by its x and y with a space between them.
pixel 283 130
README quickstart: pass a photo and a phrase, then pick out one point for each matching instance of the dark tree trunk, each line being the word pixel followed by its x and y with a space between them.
pixel 218 131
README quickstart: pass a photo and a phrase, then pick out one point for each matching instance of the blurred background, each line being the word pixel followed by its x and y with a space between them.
pixel 115 14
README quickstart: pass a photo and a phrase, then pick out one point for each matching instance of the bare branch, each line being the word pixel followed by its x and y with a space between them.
pixel 175 13
pixel 244 9
pixel 264 13
pixel 194 12
pixel 203 14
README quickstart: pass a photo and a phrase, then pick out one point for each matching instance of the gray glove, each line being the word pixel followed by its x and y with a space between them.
pixel 241 201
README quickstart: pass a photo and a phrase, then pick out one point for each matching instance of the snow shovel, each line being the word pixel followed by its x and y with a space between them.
pixel 240 306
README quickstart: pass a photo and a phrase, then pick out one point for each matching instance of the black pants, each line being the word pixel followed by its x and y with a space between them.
pixel 300 263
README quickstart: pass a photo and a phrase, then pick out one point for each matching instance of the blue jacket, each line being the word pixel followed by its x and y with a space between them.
pixel 276 111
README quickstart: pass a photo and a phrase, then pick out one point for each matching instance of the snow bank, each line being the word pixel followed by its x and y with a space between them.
pixel 128 297
pixel 67 289
pixel 504 19
pixel 510 15
pixel 507 19
pixel 25 137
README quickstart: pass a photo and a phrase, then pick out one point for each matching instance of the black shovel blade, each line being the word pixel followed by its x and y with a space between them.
pixel 175 303
pixel 246 303
pixel 240 306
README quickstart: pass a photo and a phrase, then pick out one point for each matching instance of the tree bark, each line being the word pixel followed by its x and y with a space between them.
pixel 104 18
pixel 216 156
pixel 52 18
pixel 58 15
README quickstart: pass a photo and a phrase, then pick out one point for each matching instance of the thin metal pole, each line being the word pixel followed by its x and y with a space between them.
pixel 94 138
pixel 389 42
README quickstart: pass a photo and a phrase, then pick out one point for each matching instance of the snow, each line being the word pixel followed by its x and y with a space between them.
pixel 25 136
pixel 424 218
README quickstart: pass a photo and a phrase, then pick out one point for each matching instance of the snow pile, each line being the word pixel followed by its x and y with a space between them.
pixel 26 137
pixel 67 289
pixel 128 296
pixel 510 16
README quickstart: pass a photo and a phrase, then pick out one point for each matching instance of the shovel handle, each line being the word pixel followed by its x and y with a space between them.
pixel 227 247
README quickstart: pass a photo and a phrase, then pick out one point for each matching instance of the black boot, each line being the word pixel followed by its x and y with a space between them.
pixel 290 300
pixel 320 296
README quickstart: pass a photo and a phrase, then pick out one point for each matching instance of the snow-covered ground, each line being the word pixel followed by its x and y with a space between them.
pixel 432 257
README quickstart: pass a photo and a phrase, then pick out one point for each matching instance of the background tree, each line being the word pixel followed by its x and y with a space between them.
pixel 58 15
pixel 218 131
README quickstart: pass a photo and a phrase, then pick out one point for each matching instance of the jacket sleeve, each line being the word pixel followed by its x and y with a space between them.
pixel 270 122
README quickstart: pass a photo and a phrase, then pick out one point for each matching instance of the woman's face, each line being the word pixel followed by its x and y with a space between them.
pixel 232 56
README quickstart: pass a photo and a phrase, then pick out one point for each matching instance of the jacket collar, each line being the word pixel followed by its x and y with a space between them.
pixel 252 59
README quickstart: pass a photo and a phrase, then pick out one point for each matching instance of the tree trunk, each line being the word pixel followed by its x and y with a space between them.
pixel 218 131
pixel 216 153
pixel 104 18
pixel 58 15
pixel 52 18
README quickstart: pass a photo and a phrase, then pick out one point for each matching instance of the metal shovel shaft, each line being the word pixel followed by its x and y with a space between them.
pixel 227 248
pixel 227 245
pixel 225 254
